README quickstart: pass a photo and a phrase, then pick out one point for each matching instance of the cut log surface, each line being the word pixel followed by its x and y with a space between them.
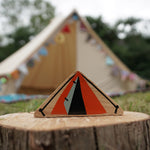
pixel 21 131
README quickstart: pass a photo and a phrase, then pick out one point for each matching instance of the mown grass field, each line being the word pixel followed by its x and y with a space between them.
pixel 139 102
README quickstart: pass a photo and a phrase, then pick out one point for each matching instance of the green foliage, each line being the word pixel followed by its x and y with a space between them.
pixel 138 52
pixel 12 9
pixel 43 15
pixel 129 21
pixel 18 38
pixel 107 33
pixel 22 106
pixel 139 102
pixel 37 12
pixel 133 49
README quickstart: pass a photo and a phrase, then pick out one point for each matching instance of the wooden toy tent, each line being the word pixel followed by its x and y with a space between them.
pixel 69 44
pixel 77 95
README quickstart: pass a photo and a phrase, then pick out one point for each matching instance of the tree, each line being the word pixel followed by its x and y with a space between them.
pixel 17 39
pixel 126 42
pixel 107 33
pixel 134 47
pixel 35 13
pixel 23 20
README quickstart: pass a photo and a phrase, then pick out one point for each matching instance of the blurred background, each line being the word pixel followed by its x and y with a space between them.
pixel 123 25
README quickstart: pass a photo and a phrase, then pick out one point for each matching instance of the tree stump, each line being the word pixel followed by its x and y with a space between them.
pixel 21 131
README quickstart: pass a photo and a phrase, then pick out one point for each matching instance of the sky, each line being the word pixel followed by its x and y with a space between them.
pixel 110 10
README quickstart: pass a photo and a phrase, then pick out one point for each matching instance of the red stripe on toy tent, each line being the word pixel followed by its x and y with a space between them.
pixel 91 102
pixel 59 107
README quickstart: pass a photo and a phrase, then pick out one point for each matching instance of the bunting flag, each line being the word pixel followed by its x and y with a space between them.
pixel 15 74
pixel 30 63
pixel 132 76
pixel 36 57
pixel 82 27
pixel 60 38
pixel 3 80
pixel 43 51
pixel 98 46
pixel 93 41
pixel 115 71
pixel 52 42
pixel 5 76
pixel 89 37
pixel 48 42
pixel 124 75
pixel 23 69
pixel 66 29
pixel 75 17
pixel 109 61
pixel 78 96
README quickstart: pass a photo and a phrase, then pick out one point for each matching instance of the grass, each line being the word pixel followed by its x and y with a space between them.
pixel 139 102
pixel 22 106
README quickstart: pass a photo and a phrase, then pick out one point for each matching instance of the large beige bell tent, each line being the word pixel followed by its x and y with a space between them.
pixel 67 44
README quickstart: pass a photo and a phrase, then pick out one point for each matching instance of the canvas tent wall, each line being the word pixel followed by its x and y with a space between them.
pixel 77 48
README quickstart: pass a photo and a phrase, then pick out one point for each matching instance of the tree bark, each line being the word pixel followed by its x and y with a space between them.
pixel 21 131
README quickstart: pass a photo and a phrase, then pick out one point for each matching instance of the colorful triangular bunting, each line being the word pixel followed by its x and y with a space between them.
pixel 43 51
pixel 66 29
pixel 75 16
pixel 109 61
pixel 82 26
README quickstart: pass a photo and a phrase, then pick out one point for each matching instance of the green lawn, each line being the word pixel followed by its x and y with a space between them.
pixel 139 102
